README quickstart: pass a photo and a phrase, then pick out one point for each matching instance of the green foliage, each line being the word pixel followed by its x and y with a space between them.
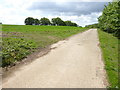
pixel 36 22
pixel 58 22
pixel 69 23
pixel 109 21
pixel 44 21
pixel 15 49
pixel 21 40
pixel 29 21
pixel 74 24
pixel 109 46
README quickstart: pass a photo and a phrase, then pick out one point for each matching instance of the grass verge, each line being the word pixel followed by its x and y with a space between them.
pixel 21 40
pixel 109 46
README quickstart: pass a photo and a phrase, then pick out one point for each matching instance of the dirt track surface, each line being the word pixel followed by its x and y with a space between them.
pixel 72 63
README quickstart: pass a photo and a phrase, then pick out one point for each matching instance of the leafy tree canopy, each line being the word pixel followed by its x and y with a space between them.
pixel 36 22
pixel 58 22
pixel 44 21
pixel 29 21
pixel 109 21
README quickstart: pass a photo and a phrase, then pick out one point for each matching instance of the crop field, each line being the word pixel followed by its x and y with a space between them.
pixel 109 45
pixel 18 41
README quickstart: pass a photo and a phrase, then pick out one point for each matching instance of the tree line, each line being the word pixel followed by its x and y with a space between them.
pixel 109 21
pixel 45 21
pixel 92 26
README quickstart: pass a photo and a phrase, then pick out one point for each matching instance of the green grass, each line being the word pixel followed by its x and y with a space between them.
pixel 21 40
pixel 109 46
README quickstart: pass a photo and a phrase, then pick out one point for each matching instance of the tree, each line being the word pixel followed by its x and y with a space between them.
pixel 74 24
pixel 29 21
pixel 54 22
pixel 69 23
pixel 36 22
pixel 109 21
pixel 58 22
pixel 45 21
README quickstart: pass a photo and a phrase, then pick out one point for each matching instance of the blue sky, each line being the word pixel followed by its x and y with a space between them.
pixel 83 12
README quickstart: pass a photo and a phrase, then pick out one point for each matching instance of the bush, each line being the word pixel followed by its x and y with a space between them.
pixel 15 49
pixel 109 21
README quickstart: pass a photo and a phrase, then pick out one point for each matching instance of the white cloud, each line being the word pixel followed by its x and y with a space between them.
pixel 83 20
pixel 15 12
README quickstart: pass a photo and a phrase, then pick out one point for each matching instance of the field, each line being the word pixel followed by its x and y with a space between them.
pixel 21 40
pixel 109 46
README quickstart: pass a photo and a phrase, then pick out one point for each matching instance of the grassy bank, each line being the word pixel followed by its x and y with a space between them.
pixel 21 40
pixel 109 45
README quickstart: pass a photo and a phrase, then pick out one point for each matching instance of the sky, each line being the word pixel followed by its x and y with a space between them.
pixel 82 12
